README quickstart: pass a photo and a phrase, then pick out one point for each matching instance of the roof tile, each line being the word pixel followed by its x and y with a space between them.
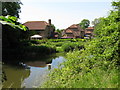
pixel 36 25
pixel 90 28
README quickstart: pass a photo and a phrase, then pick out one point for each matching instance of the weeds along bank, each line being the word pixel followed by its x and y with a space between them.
pixel 95 66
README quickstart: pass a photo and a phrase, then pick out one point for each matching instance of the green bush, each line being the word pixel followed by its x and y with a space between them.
pixel 72 46
pixel 38 50
pixel 61 45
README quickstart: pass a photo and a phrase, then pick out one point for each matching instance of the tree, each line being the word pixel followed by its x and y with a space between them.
pixel 13 34
pixel 53 26
pixel 11 8
pixel 84 23
pixel 116 5
pixel 59 32
pixel 12 31
pixel 96 21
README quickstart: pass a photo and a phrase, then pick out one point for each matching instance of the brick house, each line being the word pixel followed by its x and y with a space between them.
pixel 42 28
pixel 74 31
pixel 89 31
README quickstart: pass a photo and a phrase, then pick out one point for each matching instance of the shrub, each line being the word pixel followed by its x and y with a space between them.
pixel 38 50
pixel 72 46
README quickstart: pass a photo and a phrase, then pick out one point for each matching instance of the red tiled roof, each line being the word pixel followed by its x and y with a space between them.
pixel 90 28
pixel 88 32
pixel 69 31
pixel 74 26
pixel 36 25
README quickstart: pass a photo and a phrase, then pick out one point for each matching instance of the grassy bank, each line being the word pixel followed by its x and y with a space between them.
pixel 77 73
pixel 92 67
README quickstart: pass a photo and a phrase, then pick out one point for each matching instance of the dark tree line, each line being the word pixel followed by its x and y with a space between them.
pixel 11 8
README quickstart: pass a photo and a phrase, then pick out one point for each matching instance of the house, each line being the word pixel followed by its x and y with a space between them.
pixel 42 28
pixel 74 31
pixel 89 32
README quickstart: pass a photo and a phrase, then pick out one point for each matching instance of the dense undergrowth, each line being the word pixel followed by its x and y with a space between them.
pixel 95 66
pixel 49 46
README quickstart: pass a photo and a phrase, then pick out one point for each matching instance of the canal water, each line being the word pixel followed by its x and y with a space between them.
pixel 32 74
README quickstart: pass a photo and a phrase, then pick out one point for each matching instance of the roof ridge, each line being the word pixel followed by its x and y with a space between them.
pixel 36 24
pixel 36 21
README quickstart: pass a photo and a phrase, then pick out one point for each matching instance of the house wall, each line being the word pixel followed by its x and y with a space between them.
pixel 69 34
pixel 76 32
pixel 49 32
pixel 39 32
pixel 45 33
pixel 89 32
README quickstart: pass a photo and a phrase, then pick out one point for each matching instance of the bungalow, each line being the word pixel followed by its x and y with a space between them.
pixel 74 31
pixel 42 28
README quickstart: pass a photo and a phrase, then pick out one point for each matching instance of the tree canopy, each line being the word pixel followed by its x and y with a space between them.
pixel 11 8
pixel 84 23
pixel 96 21
pixel 116 4
pixel 59 32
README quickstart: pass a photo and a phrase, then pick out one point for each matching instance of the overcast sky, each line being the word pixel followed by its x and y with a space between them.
pixel 63 13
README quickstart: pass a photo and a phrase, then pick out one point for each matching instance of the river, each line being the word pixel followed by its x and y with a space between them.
pixel 32 74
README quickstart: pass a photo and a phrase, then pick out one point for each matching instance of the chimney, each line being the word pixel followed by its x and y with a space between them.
pixel 49 21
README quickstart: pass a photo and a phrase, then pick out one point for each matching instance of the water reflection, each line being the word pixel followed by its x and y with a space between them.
pixel 18 77
pixel 49 66
pixel 36 63
pixel 14 76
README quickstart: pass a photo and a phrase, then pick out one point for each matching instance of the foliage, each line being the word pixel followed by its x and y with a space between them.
pixel 96 66
pixel 38 50
pixel 61 45
pixel 96 21
pixel 77 74
pixel 72 46
pixel 12 21
pixel 11 8
pixel 59 32
pixel 53 26
pixel 84 23
pixel 12 34
pixel 13 31
pixel 116 4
